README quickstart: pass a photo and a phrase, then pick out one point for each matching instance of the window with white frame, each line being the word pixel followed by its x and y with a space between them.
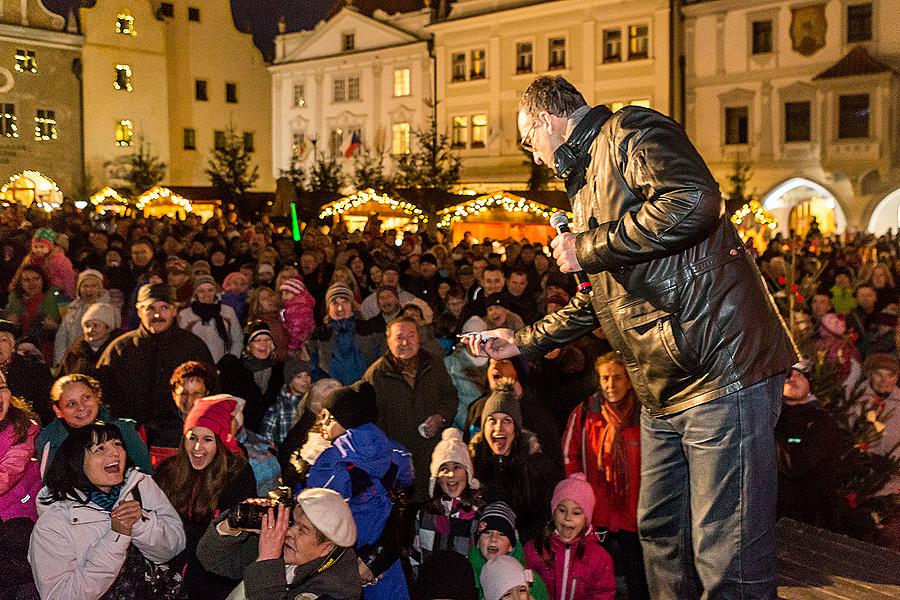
pixel 219 140
pixel 556 53
pixel 348 41
pixel 479 131
pixel 459 133
pixel 189 138
pixel 337 94
pixel 762 37
pixel 26 61
pixel 400 138
pixel 298 143
pixel 458 66
pixel 638 42
pixel 299 95
pixel 45 125
pixel 124 132
pixel 478 64
pixel 8 126
pixel 401 82
pixel 612 45
pixel 353 88
pixel 524 57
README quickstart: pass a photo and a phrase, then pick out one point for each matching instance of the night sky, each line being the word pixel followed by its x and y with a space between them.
pixel 259 16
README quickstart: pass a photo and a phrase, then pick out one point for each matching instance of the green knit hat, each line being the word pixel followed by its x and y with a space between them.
pixel 45 235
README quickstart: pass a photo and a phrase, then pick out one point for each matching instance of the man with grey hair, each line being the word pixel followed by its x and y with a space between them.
pixel 678 296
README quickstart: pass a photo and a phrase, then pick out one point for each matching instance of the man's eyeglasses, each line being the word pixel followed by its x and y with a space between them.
pixel 526 141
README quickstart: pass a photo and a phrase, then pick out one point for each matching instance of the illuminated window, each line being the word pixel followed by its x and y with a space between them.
pixel 400 141
pixel 557 54
pixel 298 143
pixel 614 106
pixel 219 142
pixel 524 57
pixel 123 78
pixel 299 95
pixel 638 42
pixel 45 126
pixel 459 135
pixel 125 23
pixel 190 139
pixel 338 91
pixel 479 131
pixel 25 61
pixel 231 93
pixel 124 133
pixel 477 68
pixel 401 82
pixel 353 88
pixel 8 126
pixel 612 45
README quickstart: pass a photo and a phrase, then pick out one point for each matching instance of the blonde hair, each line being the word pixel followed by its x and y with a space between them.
pixel 60 385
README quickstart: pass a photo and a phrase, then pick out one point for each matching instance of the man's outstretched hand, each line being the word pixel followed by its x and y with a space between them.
pixel 501 344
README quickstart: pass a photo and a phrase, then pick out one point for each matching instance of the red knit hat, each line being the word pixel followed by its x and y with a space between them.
pixel 214 413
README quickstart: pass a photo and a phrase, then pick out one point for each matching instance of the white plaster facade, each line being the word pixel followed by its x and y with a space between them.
pixel 166 56
pixel 801 164
pixel 504 29
pixel 325 87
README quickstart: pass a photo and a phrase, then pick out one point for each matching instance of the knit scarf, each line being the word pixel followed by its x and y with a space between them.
pixel 611 459
pixel 213 311
pixel 105 500
pixel 458 510
pixel 261 369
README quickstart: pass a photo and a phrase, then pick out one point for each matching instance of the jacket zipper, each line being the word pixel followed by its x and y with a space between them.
pixel 565 577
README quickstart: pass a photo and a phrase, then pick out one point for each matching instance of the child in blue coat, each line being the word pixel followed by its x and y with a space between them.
pixel 365 467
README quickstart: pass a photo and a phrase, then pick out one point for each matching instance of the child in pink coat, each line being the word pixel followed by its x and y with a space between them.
pixel 297 305
pixel 567 554
pixel 50 258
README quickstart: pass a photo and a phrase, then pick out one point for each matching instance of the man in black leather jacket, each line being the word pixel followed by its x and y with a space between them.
pixel 677 295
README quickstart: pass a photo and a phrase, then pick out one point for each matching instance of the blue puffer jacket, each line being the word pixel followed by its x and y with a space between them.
pixel 367 448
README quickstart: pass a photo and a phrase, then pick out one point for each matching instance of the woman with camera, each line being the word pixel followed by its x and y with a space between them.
pixel 208 475
pixel 104 527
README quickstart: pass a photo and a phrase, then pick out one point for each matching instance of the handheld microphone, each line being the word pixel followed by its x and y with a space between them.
pixel 560 222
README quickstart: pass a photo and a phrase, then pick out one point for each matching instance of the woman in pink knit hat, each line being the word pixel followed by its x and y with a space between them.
pixel 208 475
pixel 567 553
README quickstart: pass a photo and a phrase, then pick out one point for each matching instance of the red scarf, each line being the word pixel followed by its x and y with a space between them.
pixel 611 459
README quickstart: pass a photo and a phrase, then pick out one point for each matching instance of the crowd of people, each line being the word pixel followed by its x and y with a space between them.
pixel 155 374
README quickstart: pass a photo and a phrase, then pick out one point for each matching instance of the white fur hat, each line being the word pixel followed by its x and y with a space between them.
pixel 452 448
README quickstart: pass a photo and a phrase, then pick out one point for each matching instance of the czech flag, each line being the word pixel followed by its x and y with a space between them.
pixel 354 144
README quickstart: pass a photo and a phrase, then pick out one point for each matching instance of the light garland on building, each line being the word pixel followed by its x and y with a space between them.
pixel 760 215
pixel 517 204
pixel 159 194
pixel 125 24
pixel 369 195
pixel 50 189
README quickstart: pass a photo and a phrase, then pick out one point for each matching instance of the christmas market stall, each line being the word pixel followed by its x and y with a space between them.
pixel 502 215
pixel 108 200
pixel 31 188
pixel 160 201
pixel 355 210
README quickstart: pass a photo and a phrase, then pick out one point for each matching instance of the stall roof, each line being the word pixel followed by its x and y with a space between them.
pixel 357 199
pixel 512 201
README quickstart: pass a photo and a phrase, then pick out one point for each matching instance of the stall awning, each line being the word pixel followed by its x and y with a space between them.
pixel 507 201
pixel 362 198
pixel 108 197
pixel 159 196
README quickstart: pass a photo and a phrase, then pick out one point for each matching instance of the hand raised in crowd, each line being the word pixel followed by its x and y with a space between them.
pixel 500 343
pixel 564 252
pixel 432 425
pixel 125 516
pixel 272 531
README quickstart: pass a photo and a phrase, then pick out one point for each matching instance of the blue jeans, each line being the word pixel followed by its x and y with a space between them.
pixel 706 514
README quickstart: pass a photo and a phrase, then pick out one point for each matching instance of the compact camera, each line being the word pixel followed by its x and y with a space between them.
pixel 247 515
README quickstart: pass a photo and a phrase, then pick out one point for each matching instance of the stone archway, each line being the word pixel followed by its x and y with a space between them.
pixel 797 201
pixel 886 214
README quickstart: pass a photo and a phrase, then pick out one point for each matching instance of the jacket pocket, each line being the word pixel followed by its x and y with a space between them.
pixel 653 336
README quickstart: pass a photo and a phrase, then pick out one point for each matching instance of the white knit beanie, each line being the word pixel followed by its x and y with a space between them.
pixel 501 574
pixel 84 275
pixel 452 448
pixel 105 313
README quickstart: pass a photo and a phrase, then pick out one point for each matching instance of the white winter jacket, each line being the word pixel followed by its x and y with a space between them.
pixel 75 554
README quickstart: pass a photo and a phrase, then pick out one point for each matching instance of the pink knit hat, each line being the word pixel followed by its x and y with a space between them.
pixel 235 277
pixel 576 488
pixel 293 284
pixel 214 413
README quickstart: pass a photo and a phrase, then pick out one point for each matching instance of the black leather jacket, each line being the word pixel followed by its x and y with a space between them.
pixel 673 287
